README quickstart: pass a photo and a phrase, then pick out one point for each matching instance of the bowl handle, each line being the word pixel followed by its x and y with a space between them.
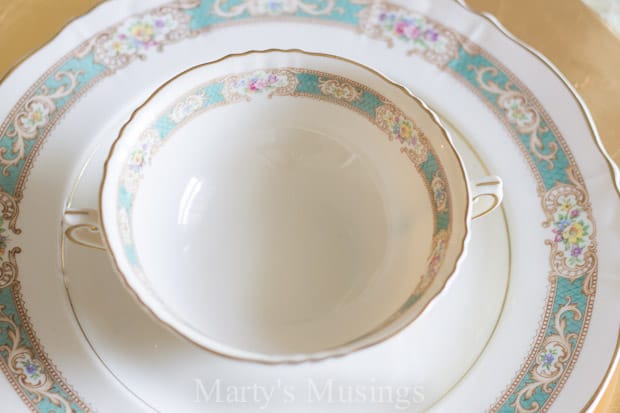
pixel 82 227
pixel 490 187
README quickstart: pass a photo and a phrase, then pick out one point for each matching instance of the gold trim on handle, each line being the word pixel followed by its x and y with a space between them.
pixel 89 222
pixel 490 183
pixel 92 228
pixel 489 209
pixel 77 212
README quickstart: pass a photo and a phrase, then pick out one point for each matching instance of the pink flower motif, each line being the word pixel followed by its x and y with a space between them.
pixel 413 32
pixel 254 85
pixel 259 82
pixel 400 27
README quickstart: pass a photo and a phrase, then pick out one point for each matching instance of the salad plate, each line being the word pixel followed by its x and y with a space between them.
pixel 532 327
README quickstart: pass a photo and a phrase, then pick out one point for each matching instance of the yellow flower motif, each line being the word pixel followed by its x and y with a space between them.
pixel 338 92
pixel 517 113
pixel 37 116
pixel 566 205
pixel 573 233
pixel 117 46
pixel 143 32
pixel 405 130
pixel 137 157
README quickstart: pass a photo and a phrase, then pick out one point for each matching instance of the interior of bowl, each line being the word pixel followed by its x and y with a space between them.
pixel 283 206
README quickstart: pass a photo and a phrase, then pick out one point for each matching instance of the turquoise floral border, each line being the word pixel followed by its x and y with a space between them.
pixel 564 198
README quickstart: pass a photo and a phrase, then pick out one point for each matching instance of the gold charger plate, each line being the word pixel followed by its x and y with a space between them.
pixel 566 31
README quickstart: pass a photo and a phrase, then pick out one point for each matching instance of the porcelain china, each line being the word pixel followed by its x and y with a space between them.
pixel 359 206
pixel 533 315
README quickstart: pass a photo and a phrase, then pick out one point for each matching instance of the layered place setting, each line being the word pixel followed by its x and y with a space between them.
pixel 283 206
